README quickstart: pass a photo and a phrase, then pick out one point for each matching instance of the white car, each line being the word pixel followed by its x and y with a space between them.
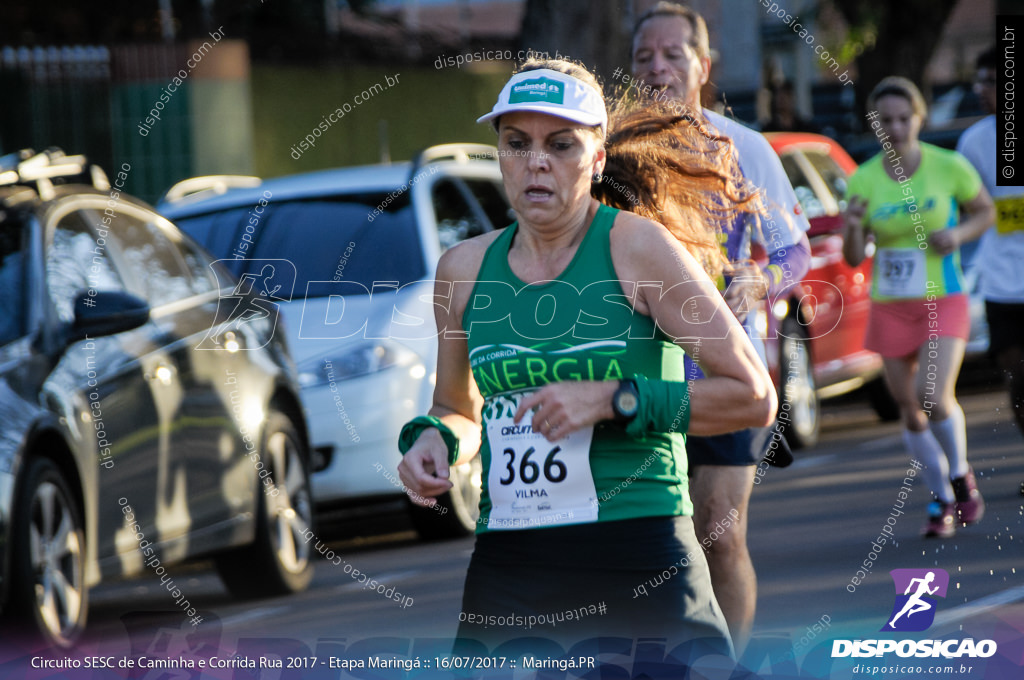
pixel 364 244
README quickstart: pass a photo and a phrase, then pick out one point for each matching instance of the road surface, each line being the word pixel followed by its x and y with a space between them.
pixel 812 527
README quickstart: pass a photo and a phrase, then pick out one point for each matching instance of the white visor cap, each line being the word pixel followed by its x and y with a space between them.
pixel 553 93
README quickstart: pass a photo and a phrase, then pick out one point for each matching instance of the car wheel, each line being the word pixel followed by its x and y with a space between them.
pixel 48 591
pixel 881 400
pixel 797 387
pixel 279 561
pixel 457 511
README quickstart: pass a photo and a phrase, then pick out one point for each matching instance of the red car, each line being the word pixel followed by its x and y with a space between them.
pixel 815 330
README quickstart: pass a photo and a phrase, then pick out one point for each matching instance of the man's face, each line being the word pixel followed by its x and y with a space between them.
pixel 985 88
pixel 664 59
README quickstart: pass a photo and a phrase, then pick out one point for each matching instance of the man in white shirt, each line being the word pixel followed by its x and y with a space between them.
pixel 671 56
pixel 1001 252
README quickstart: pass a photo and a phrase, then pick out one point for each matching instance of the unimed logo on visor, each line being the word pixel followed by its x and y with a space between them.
pixel 916 590
pixel 537 90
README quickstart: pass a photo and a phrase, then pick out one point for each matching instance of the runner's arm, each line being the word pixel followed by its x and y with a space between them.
pixel 981 214
pixel 424 468
pixel 737 392
pixel 855 231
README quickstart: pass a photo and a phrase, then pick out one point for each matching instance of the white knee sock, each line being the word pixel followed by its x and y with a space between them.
pixel 952 435
pixel 924 447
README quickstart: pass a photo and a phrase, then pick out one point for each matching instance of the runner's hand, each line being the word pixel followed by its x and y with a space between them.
pixel 945 241
pixel 747 287
pixel 424 469
pixel 565 407
pixel 856 208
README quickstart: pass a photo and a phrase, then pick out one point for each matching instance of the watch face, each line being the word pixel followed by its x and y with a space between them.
pixel 627 403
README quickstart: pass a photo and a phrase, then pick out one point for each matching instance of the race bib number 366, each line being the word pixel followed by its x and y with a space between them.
pixel 532 482
pixel 901 272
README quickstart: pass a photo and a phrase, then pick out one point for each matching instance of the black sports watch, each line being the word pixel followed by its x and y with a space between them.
pixel 625 402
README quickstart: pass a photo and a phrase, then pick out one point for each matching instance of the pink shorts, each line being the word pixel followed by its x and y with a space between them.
pixel 898 329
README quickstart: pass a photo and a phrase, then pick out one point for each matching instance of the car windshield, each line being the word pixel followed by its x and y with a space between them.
pixel 331 239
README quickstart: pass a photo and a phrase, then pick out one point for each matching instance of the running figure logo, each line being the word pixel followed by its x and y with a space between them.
pixel 914 609
pixel 253 302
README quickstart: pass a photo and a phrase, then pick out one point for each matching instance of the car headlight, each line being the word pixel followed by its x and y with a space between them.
pixel 360 360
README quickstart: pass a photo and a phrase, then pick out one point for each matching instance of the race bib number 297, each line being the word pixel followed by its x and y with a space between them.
pixel 900 272
pixel 533 482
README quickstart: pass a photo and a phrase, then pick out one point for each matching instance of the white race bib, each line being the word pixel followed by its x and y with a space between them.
pixel 900 272
pixel 532 482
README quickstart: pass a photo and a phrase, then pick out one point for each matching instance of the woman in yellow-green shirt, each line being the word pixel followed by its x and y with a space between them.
pixel 909 199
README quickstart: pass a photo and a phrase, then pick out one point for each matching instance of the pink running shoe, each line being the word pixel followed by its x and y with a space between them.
pixel 970 506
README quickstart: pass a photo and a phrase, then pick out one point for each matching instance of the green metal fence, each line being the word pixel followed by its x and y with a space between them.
pixel 91 100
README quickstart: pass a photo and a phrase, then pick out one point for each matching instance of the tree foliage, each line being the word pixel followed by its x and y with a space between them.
pixel 595 32
pixel 292 28
pixel 892 38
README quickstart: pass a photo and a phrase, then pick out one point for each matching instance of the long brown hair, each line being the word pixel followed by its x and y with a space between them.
pixel 667 165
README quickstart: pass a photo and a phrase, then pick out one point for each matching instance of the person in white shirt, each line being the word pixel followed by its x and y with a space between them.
pixel 671 57
pixel 1001 252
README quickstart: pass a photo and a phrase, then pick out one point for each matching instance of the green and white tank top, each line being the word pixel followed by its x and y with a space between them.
pixel 580 326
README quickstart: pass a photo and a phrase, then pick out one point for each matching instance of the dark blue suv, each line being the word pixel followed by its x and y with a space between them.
pixel 139 427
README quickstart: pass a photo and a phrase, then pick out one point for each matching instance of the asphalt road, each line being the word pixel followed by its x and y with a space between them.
pixel 811 529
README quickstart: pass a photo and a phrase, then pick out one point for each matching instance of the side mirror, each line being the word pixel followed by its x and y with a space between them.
pixel 107 312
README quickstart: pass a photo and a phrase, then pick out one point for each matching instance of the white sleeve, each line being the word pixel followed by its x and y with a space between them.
pixel 966 145
pixel 762 167
pixel 971 146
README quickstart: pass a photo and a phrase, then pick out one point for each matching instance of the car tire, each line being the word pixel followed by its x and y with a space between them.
pixel 801 419
pixel 48 597
pixel 279 560
pixel 457 511
pixel 881 400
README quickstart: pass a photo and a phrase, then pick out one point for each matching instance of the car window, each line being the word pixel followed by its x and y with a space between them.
pixel 76 262
pixel 199 266
pixel 13 258
pixel 218 232
pixel 835 178
pixel 327 240
pixel 456 220
pixel 491 197
pixel 153 259
pixel 809 200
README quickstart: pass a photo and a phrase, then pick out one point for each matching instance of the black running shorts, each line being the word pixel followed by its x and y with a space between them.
pixel 745 447
pixel 568 585
pixel 1005 326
